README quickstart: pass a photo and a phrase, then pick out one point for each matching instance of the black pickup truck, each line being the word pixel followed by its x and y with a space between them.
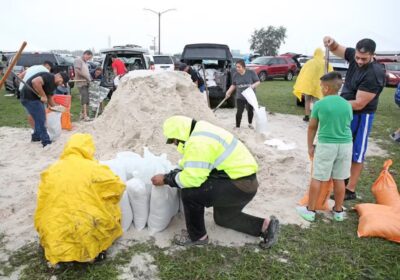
pixel 217 62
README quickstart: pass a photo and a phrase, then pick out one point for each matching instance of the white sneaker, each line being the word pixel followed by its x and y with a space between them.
pixel 251 126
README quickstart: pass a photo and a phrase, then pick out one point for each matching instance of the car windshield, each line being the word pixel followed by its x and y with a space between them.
pixel 162 60
pixel 393 66
pixel 261 60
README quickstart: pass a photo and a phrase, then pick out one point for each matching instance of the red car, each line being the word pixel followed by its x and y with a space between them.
pixel 392 72
pixel 268 67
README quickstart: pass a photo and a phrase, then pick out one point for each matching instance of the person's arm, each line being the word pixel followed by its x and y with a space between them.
pixel 362 99
pixel 37 85
pixel 230 90
pixel 114 70
pixel 334 47
pixel 22 75
pixel 312 130
pixel 50 101
pixel 254 85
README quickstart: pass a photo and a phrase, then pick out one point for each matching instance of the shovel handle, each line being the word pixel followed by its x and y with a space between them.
pixel 220 104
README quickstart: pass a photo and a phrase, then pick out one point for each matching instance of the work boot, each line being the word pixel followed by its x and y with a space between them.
pixel 306 118
pixel 270 236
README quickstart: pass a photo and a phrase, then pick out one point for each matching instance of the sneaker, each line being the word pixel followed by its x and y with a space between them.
pixel 349 195
pixel 251 126
pixel 236 128
pixel 338 216
pixel 306 118
pixel 270 236
pixel 305 213
pixel 183 239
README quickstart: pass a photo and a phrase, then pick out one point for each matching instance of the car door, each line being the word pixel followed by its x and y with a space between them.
pixel 273 67
pixel 282 66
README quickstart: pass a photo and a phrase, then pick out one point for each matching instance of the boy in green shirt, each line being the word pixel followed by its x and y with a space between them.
pixel 332 156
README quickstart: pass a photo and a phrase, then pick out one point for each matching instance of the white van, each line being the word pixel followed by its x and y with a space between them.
pixel 163 62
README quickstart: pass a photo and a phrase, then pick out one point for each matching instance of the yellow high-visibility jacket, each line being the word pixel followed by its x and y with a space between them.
pixel 208 147
pixel 78 214
pixel 308 80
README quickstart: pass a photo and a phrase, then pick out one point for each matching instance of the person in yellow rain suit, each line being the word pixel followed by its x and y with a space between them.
pixel 78 215
pixel 308 82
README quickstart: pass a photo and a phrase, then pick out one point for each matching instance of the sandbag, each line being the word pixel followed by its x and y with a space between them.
pixel 139 197
pixel 323 196
pixel 117 166
pixel 126 211
pixel 261 120
pixel 132 162
pixel 378 221
pixel 164 204
pixel 251 98
pixel 53 124
pixel 384 188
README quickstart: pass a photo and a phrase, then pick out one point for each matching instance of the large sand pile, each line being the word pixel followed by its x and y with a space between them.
pixel 133 119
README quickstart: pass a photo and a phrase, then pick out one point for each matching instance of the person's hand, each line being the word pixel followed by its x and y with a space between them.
pixel 227 95
pixel 328 41
pixel 43 99
pixel 158 180
pixel 311 151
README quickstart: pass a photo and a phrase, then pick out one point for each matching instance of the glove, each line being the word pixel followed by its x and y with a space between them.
pixel 169 178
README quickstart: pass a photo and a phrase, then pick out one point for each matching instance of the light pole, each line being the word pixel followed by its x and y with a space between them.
pixel 159 24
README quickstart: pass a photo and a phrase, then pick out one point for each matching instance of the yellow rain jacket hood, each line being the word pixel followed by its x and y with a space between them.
pixel 308 80
pixel 78 214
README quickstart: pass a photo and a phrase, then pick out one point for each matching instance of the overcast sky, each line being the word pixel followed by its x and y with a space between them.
pixel 83 24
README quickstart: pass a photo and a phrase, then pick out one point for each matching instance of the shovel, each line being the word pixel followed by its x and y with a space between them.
pixel 220 104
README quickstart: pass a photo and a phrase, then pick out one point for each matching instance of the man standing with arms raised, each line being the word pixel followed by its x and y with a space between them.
pixel 363 85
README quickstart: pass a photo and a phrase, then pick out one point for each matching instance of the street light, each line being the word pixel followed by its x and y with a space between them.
pixel 159 24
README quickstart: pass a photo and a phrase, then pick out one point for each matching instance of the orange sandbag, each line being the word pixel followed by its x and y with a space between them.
pixel 378 221
pixel 385 188
pixel 66 120
pixel 323 196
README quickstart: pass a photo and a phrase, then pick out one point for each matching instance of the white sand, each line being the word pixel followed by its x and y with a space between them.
pixel 133 119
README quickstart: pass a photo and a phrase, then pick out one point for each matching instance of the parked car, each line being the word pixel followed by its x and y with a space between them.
pixel 268 67
pixel 217 59
pixel 163 62
pixel 392 73
pixel 131 55
pixel 28 59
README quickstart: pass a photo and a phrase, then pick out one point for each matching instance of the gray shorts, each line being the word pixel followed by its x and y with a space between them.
pixel 310 98
pixel 332 161
pixel 84 92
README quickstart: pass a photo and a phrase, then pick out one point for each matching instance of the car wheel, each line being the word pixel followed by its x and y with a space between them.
pixel 263 76
pixel 289 76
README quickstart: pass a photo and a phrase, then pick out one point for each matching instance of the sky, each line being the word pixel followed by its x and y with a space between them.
pixel 87 24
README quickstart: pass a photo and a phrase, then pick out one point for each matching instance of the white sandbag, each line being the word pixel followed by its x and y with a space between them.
pixel 164 204
pixel 139 197
pixel 126 211
pixel 117 166
pixel 54 124
pixel 133 163
pixel 153 165
pixel 261 120
pixel 250 96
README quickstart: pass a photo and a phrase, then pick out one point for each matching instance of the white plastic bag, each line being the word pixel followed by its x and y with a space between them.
pixel 164 204
pixel 139 197
pixel 126 211
pixel 261 120
pixel 132 162
pixel 251 98
pixel 54 124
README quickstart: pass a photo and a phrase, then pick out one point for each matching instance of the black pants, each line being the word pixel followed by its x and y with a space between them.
pixel 228 202
pixel 240 103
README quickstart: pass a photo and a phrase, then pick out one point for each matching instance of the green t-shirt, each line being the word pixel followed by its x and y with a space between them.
pixel 334 114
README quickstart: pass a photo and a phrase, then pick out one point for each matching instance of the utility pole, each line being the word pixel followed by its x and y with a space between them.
pixel 159 24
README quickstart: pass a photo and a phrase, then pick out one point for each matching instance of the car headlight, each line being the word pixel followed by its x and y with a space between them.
pixel 392 76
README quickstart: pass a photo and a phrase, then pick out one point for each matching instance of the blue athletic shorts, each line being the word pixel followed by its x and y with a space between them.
pixel 361 127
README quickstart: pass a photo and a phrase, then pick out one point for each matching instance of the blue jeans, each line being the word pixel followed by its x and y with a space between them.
pixel 202 88
pixel 37 111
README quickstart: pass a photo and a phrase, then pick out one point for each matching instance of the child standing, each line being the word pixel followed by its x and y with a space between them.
pixel 332 155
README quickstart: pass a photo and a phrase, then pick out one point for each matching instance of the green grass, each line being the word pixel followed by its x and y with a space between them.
pixel 326 250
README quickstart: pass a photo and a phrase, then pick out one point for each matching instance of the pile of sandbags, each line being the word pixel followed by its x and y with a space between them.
pixel 142 203
pixel 381 219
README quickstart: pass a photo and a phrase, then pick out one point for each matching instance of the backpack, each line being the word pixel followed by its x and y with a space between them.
pixel 397 95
